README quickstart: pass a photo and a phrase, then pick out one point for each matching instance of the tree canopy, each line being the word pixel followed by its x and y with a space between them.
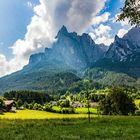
pixel 131 11
pixel 117 102
pixel 27 96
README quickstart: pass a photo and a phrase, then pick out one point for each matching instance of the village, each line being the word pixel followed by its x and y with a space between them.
pixel 52 106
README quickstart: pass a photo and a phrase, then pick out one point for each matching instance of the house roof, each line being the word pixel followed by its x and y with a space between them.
pixel 8 102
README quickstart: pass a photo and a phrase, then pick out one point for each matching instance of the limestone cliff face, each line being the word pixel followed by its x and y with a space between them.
pixel 72 54
pixel 77 52
pixel 126 49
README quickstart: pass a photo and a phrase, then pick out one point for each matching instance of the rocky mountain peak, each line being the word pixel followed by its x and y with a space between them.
pixel 126 48
pixel 117 38
pixel 70 49
pixel 62 31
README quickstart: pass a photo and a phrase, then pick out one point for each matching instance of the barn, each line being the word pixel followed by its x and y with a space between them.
pixel 9 105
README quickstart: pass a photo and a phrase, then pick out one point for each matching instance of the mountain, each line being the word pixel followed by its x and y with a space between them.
pixel 68 51
pixel 121 62
pixel 69 54
pixel 73 57
pixel 126 49
pixel 123 55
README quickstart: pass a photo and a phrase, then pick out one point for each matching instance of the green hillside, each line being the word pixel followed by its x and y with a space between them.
pixel 108 77
pixel 40 81
pixel 53 82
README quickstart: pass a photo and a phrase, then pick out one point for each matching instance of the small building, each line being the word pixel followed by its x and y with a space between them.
pixel 54 103
pixel 9 105
pixel 77 104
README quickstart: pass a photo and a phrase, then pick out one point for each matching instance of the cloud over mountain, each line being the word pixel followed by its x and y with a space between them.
pixel 48 17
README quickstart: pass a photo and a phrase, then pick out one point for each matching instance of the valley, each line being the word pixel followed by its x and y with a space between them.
pixel 70 70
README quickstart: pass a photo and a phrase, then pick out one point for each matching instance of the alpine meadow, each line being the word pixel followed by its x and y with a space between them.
pixel 70 70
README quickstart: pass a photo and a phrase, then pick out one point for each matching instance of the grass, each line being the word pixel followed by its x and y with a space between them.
pixel 34 114
pixel 106 128
pixel 85 110
pixel 78 110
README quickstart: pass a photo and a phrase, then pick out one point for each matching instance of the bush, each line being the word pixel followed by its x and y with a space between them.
pixel 26 105
pixel 37 107
pixel 65 103
pixel 30 106
pixel 117 102
pixel 19 103
pixel 47 107
pixel 67 111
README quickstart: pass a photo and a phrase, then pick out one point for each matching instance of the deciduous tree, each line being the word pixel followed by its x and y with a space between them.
pixel 131 11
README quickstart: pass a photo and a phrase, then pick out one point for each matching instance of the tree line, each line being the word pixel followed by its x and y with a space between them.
pixel 28 96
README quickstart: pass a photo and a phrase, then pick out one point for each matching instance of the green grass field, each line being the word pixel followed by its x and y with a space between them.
pixel 34 114
pixel 85 110
pixel 41 125
pixel 78 110
pixel 100 128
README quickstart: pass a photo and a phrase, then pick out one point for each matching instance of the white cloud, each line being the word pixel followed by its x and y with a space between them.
pixel 124 22
pixel 48 18
pixel 122 32
pixel 3 65
pixel 104 40
pixel 102 35
pixel 101 19
pixel 81 13
pixel 93 36
pixel 102 29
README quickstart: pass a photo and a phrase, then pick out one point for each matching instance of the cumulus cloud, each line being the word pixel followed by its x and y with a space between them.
pixel 3 65
pixel 48 18
pixel 104 40
pixel 102 35
pixel 81 13
pixel 101 19
pixel 102 29
pixel 122 32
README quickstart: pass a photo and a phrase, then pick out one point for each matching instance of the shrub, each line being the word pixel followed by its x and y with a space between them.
pixel 65 103
pixel 26 105
pixel 67 111
pixel 37 106
pixel 31 105
pixel 47 107
pixel 19 103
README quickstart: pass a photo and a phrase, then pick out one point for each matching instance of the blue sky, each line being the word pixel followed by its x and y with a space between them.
pixel 27 26
pixel 15 16
pixel 113 7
